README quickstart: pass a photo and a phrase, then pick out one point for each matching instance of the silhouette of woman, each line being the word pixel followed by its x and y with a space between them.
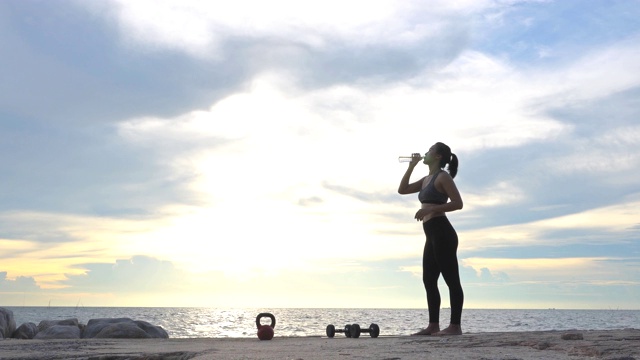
pixel 438 194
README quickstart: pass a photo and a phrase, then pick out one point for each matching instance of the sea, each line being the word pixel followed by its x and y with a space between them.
pixel 182 322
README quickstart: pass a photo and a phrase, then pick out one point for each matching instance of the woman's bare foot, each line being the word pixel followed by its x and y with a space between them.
pixel 430 330
pixel 451 330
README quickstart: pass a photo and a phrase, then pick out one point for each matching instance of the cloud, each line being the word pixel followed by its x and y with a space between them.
pixel 615 148
pixel 21 284
pixel 486 275
pixel 550 282
pixel 320 43
pixel 97 81
pixel 88 170
pixel 578 270
pixel 597 74
pixel 589 227
pixel 234 137
pixel 193 26
pixel 137 274
pixel 310 201
pixel 170 141
pixel 63 240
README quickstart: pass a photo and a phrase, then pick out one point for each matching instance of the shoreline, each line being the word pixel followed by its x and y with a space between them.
pixel 313 322
pixel 623 344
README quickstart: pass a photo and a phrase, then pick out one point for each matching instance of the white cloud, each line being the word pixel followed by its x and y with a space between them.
pixel 62 239
pixel 584 270
pixel 201 28
pixel 137 274
pixel 480 101
pixel 617 149
pixel 274 144
pixel 20 284
pixel 498 194
pixel 620 219
pixel 301 157
pixel 597 74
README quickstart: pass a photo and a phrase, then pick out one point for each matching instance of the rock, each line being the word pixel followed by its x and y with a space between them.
pixel 156 332
pixel 122 331
pixel 572 336
pixel 59 332
pixel 122 328
pixel 25 331
pixel 45 324
pixel 7 323
pixel 59 329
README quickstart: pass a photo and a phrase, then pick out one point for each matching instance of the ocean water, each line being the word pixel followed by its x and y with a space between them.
pixel 225 323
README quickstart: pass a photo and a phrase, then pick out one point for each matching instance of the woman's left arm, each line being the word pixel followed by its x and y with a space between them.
pixel 450 188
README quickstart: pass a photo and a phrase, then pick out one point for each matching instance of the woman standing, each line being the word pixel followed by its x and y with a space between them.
pixel 438 195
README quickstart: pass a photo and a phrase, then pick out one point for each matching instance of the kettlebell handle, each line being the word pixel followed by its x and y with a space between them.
pixel 269 315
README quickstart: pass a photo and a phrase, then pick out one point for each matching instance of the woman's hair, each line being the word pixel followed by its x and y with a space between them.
pixel 447 158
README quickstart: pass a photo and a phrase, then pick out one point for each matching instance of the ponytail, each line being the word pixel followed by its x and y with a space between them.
pixel 447 158
pixel 453 165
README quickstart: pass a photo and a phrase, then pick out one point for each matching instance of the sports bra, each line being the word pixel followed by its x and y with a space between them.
pixel 430 195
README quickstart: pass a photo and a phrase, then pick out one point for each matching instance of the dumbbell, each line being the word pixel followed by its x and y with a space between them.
pixel 331 331
pixel 373 331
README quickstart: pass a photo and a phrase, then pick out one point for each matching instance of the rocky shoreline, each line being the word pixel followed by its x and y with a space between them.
pixel 115 339
pixel 118 328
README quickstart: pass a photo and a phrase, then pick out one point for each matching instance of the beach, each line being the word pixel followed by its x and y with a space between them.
pixel 575 344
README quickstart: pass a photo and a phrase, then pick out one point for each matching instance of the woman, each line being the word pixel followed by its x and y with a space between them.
pixel 442 241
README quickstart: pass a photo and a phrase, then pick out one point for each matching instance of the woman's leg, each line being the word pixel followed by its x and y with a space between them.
pixel 430 276
pixel 446 246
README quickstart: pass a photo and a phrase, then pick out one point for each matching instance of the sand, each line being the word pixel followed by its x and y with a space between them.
pixel 609 344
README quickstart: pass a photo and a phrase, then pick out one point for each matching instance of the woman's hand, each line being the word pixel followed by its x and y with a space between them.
pixel 427 209
pixel 415 159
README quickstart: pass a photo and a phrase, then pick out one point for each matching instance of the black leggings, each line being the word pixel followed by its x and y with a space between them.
pixel 440 257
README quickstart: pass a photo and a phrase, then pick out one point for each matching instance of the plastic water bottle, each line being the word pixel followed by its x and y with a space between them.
pixel 404 159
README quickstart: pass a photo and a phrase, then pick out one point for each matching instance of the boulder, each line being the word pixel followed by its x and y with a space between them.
pixel 45 324
pixel 59 332
pixel 154 331
pixel 7 323
pixel 25 331
pixel 122 328
pixel 122 331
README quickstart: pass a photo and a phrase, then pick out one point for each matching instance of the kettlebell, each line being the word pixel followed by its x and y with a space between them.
pixel 265 332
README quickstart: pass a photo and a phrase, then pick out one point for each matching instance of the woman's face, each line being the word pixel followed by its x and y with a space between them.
pixel 431 157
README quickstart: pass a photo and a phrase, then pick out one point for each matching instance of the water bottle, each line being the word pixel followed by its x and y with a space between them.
pixel 404 159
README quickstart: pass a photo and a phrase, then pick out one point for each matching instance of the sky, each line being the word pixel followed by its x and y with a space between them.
pixel 244 154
